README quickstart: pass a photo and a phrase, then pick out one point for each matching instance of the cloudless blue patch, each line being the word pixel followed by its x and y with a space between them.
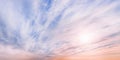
pixel 46 4
pixel 27 8
pixel 32 23
pixel 55 22
pixel 43 20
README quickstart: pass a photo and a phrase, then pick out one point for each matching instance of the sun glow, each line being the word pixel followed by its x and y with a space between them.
pixel 86 38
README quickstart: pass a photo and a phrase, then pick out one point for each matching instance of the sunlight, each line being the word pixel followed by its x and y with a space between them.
pixel 86 38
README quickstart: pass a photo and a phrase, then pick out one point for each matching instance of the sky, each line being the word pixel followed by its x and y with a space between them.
pixel 59 29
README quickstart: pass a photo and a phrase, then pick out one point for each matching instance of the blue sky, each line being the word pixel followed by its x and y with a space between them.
pixel 48 27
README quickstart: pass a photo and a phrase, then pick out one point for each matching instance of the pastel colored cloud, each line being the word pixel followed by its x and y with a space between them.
pixel 59 29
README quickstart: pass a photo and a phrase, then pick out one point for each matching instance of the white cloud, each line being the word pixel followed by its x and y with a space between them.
pixel 79 17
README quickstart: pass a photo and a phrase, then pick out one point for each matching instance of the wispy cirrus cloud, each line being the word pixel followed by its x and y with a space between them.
pixel 60 27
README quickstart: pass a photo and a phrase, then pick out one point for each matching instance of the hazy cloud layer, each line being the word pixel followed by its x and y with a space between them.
pixel 49 28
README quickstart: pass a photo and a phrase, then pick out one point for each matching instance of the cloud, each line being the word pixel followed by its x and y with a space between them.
pixel 58 27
